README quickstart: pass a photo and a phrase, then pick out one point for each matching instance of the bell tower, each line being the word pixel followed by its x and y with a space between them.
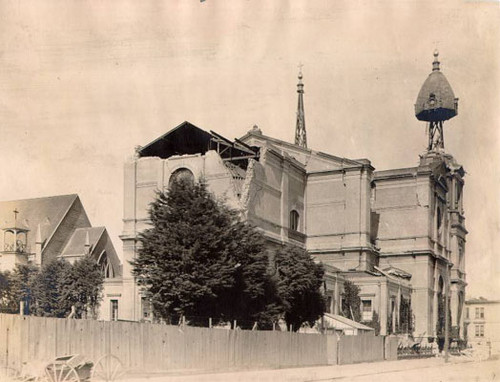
pixel 436 103
pixel 15 248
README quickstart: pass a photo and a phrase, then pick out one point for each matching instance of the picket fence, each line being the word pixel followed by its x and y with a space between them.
pixel 154 347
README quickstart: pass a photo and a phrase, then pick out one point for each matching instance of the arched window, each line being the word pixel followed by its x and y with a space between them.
pixel 440 285
pixel 9 239
pixel 294 220
pixel 181 174
pixel 439 218
pixel 105 265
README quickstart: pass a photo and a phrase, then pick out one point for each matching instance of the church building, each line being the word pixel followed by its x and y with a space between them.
pixel 397 234
pixel 39 230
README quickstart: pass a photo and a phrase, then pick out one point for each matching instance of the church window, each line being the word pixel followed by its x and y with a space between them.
pixel 114 310
pixel 460 257
pixel 147 309
pixel 294 220
pixel 329 301
pixel 479 330
pixel 9 239
pixel 181 174
pixel 439 218
pixel 458 194
pixel 105 265
pixel 479 312
pixel 366 310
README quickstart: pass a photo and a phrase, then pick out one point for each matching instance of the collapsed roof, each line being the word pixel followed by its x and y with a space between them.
pixel 188 139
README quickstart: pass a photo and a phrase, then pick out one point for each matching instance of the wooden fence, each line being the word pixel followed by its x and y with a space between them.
pixel 152 347
pixel 155 347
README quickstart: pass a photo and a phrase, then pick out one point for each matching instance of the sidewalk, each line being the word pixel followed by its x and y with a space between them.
pixel 302 374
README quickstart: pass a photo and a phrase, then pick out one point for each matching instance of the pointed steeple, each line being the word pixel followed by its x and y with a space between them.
pixel 300 129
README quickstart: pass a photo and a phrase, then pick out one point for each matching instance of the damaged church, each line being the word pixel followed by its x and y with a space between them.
pixel 398 234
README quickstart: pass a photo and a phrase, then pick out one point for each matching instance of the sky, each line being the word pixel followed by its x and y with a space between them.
pixel 84 82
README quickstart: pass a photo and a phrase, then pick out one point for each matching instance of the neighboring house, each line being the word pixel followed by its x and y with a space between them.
pixel 42 229
pixel 482 322
pixel 399 234
pixel 334 323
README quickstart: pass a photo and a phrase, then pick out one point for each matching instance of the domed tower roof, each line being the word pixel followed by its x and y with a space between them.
pixel 436 100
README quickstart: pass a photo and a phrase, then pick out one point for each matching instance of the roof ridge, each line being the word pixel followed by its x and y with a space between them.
pixel 38 198
pixel 306 149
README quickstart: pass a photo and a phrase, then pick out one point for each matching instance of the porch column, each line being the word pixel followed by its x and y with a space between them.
pixel 383 307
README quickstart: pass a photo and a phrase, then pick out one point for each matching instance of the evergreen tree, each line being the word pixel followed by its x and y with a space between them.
pixel 47 290
pixel 351 303
pixel 374 323
pixel 299 280
pixel 81 287
pixel 199 260
pixel 21 283
pixel 7 302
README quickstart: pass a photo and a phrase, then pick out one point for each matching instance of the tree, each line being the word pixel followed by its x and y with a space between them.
pixel 7 302
pixel 47 289
pixel 405 316
pixel 299 280
pixel 351 304
pixel 200 260
pixel 81 287
pixel 21 282
pixel 374 323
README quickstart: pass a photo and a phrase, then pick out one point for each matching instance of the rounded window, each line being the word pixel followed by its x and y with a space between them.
pixel 181 175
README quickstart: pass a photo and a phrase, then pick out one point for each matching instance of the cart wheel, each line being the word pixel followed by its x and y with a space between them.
pixel 108 368
pixel 61 372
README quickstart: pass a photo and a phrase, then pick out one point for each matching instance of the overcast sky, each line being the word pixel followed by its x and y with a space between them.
pixel 83 82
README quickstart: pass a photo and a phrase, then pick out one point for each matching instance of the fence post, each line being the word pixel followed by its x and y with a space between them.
pixel 234 325
pixel 21 308
pixel 210 322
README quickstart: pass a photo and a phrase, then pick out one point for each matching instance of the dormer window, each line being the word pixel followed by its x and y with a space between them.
pixel 432 99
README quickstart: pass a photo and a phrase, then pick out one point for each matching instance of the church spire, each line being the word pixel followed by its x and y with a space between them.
pixel 300 129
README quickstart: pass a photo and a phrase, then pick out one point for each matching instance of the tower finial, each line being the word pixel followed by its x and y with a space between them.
pixel 300 128
pixel 435 64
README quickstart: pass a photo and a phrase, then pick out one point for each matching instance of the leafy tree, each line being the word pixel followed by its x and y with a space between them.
pixel 351 304
pixel 199 260
pixel 47 289
pixel 374 323
pixel 21 283
pixel 299 280
pixel 405 316
pixel 81 287
pixel 4 286
pixel 7 302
